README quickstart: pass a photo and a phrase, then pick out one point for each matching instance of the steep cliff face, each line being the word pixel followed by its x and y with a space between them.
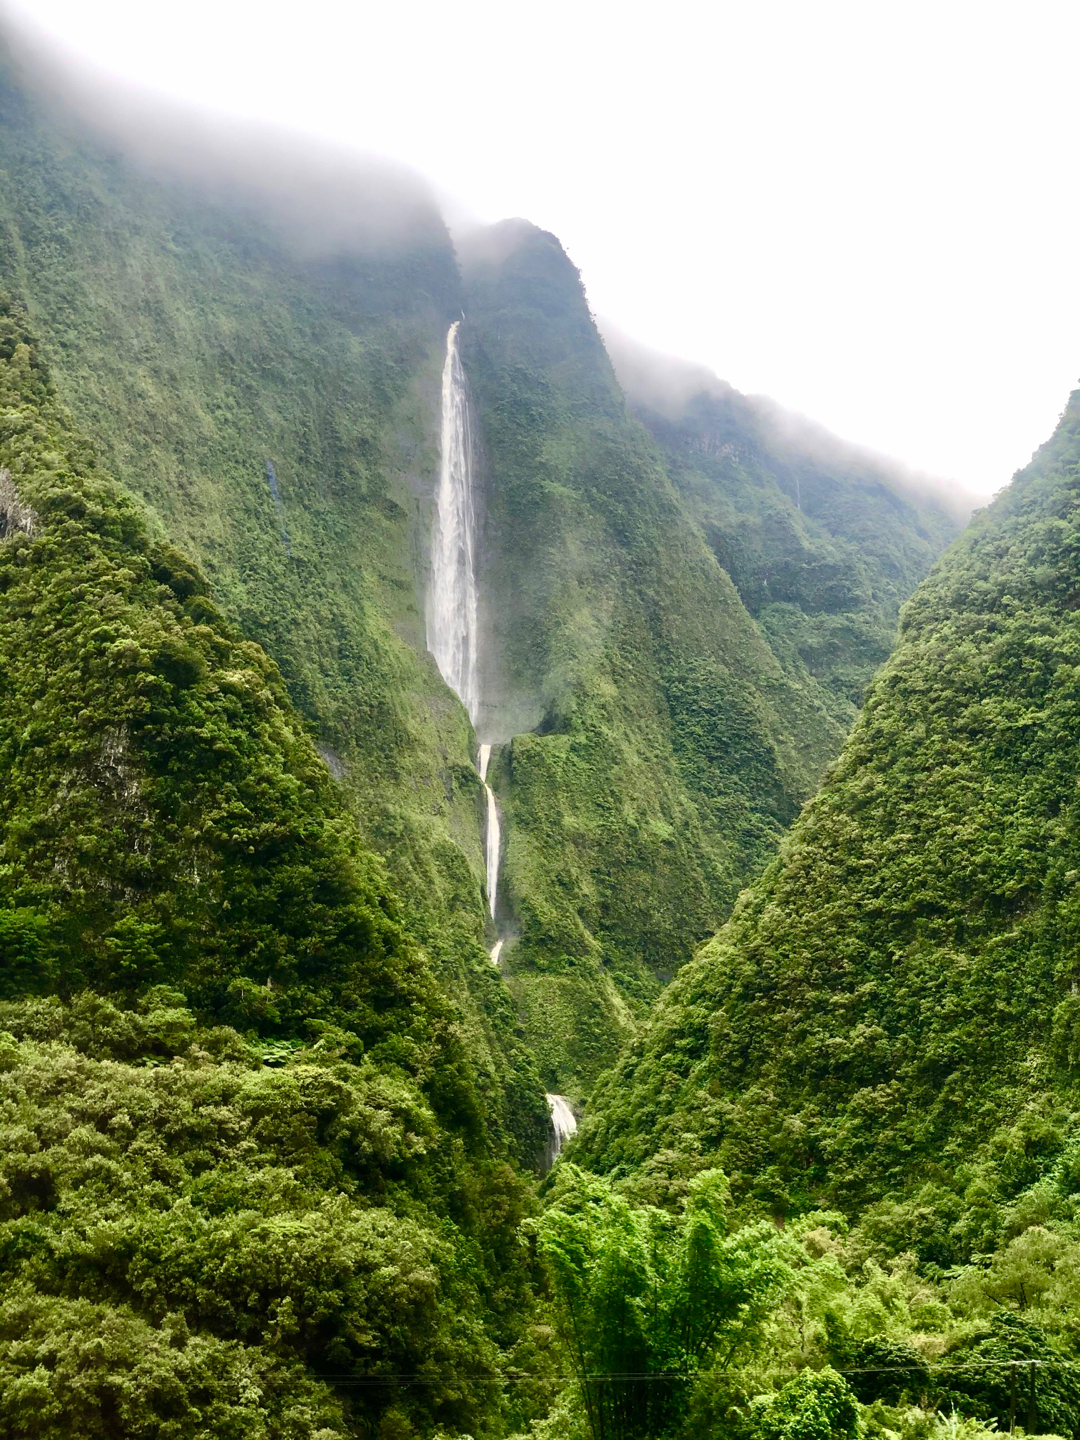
pixel 667 745
pixel 823 541
pixel 260 366
pixel 895 998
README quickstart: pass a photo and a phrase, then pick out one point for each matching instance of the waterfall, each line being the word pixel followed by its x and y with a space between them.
pixel 451 606
pixel 494 832
pixel 563 1125
pixel 451 617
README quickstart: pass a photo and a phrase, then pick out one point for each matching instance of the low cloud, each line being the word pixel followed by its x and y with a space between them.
pixel 324 199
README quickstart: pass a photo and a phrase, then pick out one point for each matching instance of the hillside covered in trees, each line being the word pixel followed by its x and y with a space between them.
pixel 887 1026
pixel 252 334
pixel 277 1147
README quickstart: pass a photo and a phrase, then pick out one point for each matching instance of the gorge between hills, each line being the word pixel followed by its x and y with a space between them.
pixel 538 893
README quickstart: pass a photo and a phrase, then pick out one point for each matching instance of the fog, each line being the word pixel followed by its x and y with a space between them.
pixel 667 385
pixel 863 211
pixel 322 198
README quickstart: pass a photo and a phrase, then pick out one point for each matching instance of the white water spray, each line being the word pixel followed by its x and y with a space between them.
pixel 563 1125
pixel 451 609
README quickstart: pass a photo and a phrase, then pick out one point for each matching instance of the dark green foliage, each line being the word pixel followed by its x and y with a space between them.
pixel 885 1369
pixel 1039 1390
pixel 896 991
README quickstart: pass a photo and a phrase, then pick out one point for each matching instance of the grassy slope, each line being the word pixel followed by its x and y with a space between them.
pixel 900 984
pixel 167 830
pixel 667 747
pixel 195 344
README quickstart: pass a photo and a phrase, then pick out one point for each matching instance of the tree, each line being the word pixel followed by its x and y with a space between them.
pixel 645 1301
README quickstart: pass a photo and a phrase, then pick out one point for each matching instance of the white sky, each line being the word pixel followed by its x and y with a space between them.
pixel 866 210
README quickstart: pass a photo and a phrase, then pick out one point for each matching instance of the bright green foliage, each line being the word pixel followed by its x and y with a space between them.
pixel 72 1370
pixel 816 1405
pixel 192 1241
pixel 645 1301
pixel 896 991
pixel 667 746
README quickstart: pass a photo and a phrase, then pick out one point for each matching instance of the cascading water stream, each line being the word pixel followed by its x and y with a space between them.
pixel 563 1125
pixel 494 840
pixel 452 627
pixel 451 610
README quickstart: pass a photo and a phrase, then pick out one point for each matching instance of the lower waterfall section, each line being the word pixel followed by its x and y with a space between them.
pixel 493 835
pixel 563 1125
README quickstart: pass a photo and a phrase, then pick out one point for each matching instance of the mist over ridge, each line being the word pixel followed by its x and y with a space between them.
pixel 669 386
pixel 324 199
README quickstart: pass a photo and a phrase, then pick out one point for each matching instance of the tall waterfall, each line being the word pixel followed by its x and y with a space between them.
pixel 451 609
pixel 494 839
pixel 452 629
pixel 451 606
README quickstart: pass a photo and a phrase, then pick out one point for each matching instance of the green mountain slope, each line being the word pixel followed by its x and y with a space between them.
pixel 184 902
pixel 200 339
pixel 667 744
pixel 823 541
pixel 259 363
pixel 893 1004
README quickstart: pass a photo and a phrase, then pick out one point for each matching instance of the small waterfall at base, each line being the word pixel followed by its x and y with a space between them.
pixel 451 608
pixel 563 1125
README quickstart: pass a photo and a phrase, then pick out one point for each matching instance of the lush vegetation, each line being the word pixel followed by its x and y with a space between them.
pixel 249 1174
pixel 684 1321
pixel 899 983
pixel 259 363
pixel 196 338
pixel 889 1021
pixel 266 1107
pixel 207 1236
pixel 823 542
pixel 659 745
